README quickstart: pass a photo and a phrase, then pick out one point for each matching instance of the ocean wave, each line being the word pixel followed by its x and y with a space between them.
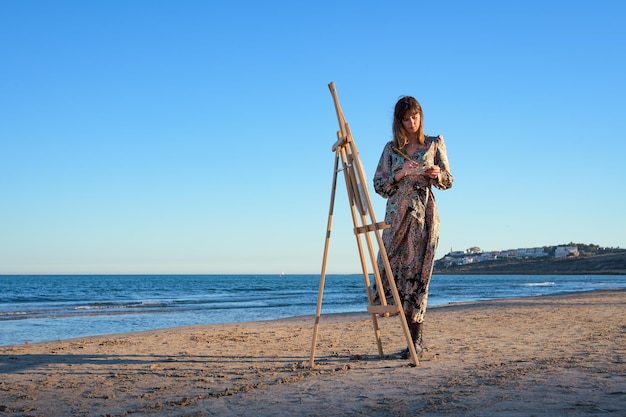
pixel 536 284
pixel 122 305
pixel 12 314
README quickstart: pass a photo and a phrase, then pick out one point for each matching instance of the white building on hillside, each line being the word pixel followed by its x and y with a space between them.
pixel 564 251
pixel 531 253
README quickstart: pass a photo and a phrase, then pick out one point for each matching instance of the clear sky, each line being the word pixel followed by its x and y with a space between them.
pixel 183 136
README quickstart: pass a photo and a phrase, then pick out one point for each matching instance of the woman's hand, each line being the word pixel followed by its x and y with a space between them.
pixel 413 168
pixel 433 172
pixel 408 168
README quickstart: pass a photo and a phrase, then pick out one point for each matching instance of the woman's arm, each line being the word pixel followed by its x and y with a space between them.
pixel 384 182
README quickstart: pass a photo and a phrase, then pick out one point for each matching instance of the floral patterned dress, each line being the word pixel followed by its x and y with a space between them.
pixel 412 239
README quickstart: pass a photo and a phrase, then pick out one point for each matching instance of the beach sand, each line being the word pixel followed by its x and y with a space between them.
pixel 540 356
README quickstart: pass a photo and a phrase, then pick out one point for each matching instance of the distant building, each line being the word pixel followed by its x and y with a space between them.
pixel 490 256
pixel 565 251
pixel 531 253
pixel 509 253
pixel 474 254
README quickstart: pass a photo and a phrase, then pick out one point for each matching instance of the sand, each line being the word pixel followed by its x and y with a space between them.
pixel 541 356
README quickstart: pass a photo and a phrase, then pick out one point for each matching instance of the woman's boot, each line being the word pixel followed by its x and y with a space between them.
pixel 418 340
pixel 416 336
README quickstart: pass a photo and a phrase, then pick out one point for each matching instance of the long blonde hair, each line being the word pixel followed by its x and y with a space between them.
pixel 406 106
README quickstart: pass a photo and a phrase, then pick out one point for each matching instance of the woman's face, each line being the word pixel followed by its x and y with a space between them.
pixel 411 122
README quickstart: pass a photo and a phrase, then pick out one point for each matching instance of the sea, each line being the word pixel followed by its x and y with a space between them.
pixel 39 308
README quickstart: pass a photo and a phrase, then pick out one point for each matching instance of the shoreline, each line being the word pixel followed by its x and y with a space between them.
pixel 561 354
pixel 355 314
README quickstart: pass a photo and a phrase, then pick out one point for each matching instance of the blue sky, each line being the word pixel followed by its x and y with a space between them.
pixel 195 136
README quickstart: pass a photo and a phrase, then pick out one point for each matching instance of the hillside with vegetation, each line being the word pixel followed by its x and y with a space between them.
pixel 593 261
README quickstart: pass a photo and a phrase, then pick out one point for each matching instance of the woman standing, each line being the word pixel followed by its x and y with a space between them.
pixel 409 166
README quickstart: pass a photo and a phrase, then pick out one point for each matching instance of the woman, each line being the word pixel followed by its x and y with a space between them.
pixel 409 165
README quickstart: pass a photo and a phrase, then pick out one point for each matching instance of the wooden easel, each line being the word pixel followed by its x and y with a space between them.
pixel 364 224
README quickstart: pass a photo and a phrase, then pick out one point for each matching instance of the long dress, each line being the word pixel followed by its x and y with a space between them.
pixel 411 210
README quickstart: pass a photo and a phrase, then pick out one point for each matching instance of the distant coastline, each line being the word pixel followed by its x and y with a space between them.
pixel 602 264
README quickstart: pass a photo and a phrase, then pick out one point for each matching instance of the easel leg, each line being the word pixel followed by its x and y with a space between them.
pixel 320 294
pixel 366 280
pixel 397 301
